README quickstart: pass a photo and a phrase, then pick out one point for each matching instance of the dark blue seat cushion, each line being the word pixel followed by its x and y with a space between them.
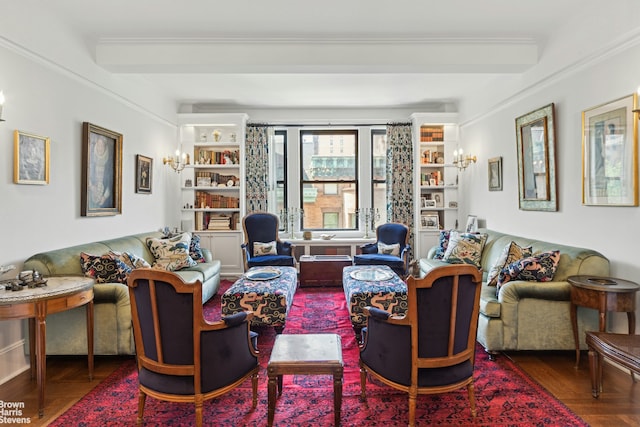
pixel 271 260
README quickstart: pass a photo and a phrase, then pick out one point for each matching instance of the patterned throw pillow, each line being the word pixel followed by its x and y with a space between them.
pixel 133 261
pixel 465 248
pixel 195 252
pixel 443 242
pixel 104 268
pixel 537 268
pixel 260 248
pixel 389 249
pixel 171 254
pixel 511 252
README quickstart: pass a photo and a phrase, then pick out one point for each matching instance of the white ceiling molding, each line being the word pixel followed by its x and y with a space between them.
pixel 296 55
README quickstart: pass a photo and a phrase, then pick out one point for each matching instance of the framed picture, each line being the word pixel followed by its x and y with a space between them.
pixel 430 222
pixel 438 198
pixel 30 158
pixel 428 203
pixel 610 154
pixel 472 224
pixel 495 174
pixel 144 174
pixel 537 160
pixel 453 205
pixel 101 191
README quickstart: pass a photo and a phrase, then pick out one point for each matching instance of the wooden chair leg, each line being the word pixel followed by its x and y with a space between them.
pixel 198 410
pixel 363 383
pixel 472 398
pixel 142 397
pixel 412 408
pixel 254 387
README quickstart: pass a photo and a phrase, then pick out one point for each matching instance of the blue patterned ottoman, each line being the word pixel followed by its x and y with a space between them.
pixel 372 286
pixel 269 300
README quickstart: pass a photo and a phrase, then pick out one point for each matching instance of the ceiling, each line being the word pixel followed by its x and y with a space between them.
pixel 292 53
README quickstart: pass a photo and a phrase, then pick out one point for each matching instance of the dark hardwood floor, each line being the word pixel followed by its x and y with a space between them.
pixel 618 405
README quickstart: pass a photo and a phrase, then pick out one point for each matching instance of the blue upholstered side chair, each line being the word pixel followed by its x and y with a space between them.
pixel 262 246
pixel 391 248
pixel 431 349
pixel 181 356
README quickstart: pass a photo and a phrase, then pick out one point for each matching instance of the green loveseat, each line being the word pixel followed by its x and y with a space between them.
pixel 66 331
pixel 531 315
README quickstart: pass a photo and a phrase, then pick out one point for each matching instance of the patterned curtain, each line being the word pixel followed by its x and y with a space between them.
pixel 256 167
pixel 400 175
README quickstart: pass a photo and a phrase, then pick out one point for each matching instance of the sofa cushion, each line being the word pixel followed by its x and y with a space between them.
pixel 171 254
pixel 385 249
pixel 511 252
pixel 104 268
pixel 195 251
pixel 268 248
pixel 133 261
pixel 465 248
pixel 537 268
pixel 443 242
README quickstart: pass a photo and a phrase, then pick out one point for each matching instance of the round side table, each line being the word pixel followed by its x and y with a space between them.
pixel 61 293
pixel 603 294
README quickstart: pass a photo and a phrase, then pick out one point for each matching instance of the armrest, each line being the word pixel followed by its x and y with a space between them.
pixel 512 292
pixel 369 248
pixel 208 256
pixel 285 248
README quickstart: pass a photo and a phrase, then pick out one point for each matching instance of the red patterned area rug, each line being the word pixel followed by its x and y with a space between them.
pixel 505 395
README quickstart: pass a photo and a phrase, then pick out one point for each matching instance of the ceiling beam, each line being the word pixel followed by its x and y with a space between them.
pixel 316 55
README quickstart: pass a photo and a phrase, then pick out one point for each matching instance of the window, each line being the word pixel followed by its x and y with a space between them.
pixel 379 173
pixel 328 184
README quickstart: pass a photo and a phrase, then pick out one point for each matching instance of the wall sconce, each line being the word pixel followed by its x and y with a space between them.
pixel 1 105
pixel 177 162
pixel 462 161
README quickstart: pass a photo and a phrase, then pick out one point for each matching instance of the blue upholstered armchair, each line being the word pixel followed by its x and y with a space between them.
pixel 431 349
pixel 391 248
pixel 262 246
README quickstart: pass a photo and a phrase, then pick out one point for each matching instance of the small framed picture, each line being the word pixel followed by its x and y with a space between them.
pixel 30 158
pixel 430 222
pixel 144 170
pixel 495 174
pixel 428 203
pixel 453 205
pixel 472 224
pixel 438 199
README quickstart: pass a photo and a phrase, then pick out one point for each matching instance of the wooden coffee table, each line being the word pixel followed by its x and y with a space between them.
pixel 310 354
pixel 320 270
pixel 603 294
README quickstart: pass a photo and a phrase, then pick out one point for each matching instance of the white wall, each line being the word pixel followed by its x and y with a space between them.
pixel 46 99
pixel 613 231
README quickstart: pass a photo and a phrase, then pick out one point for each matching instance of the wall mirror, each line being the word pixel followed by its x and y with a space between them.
pixel 537 160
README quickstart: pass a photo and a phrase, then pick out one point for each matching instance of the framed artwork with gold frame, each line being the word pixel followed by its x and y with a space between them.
pixel 610 153
pixel 101 190
pixel 30 158
pixel 535 132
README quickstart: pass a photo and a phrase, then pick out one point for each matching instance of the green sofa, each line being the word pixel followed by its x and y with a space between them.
pixel 66 331
pixel 531 315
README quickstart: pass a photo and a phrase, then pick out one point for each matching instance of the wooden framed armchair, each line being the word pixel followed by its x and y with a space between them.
pixel 391 248
pixel 262 245
pixel 431 349
pixel 182 357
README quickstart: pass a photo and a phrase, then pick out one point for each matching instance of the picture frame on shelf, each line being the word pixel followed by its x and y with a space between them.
pixel 610 153
pixel 101 186
pixel 439 200
pixel 472 224
pixel 30 158
pixel 430 221
pixel 428 203
pixel 144 174
pixel 495 174
pixel 535 134
pixel 453 205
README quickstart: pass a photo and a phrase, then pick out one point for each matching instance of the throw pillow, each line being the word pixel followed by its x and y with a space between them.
pixel 132 260
pixel 260 248
pixel 443 242
pixel 195 252
pixel 511 252
pixel 104 268
pixel 171 254
pixel 465 248
pixel 537 268
pixel 389 249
